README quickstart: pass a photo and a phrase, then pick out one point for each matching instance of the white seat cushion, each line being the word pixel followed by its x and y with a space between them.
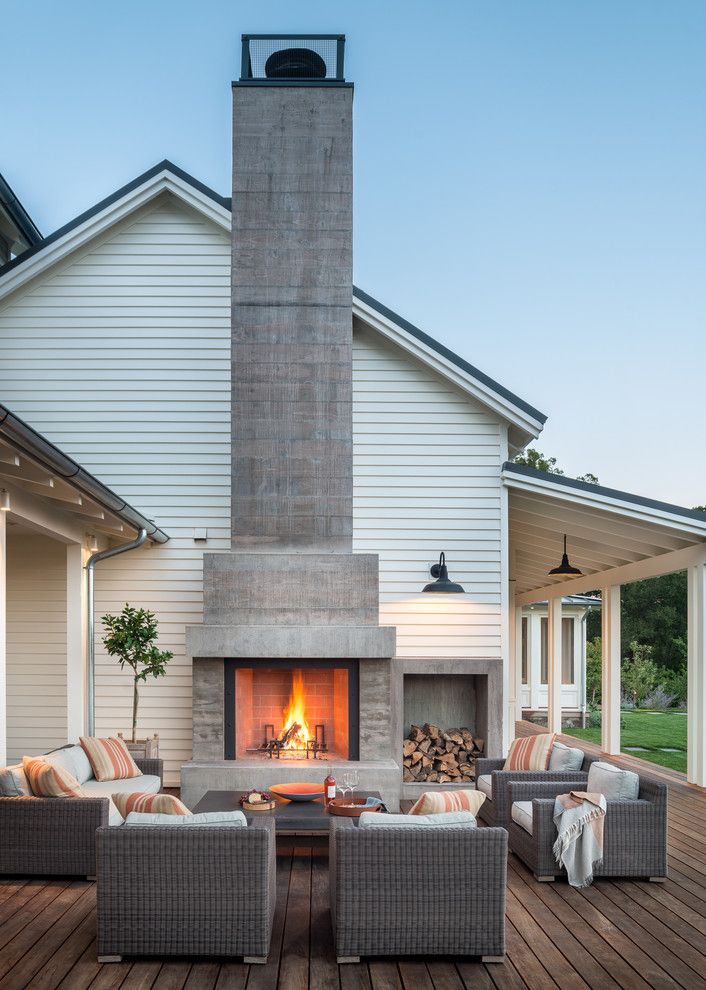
pixel 484 784
pixel 521 814
pixel 114 816
pixel 146 784
pixel 448 819
pixel 212 819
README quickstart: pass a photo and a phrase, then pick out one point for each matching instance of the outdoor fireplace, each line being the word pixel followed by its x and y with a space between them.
pixel 291 710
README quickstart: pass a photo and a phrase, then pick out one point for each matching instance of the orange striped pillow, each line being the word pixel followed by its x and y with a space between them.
pixel 161 804
pixel 49 780
pixel 530 752
pixel 436 802
pixel 109 758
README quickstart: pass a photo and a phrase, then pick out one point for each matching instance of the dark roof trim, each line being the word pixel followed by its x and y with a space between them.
pixel 21 435
pixel 448 354
pixel 583 486
pixel 225 202
pixel 162 166
pixel 21 218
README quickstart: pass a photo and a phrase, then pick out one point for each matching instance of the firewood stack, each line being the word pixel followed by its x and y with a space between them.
pixel 434 755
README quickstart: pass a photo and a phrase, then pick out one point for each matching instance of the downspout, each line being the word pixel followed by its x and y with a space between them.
pixel 90 631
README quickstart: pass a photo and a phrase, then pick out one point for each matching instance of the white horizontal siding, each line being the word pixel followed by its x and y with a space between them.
pixel 122 358
pixel 36 645
pixel 426 479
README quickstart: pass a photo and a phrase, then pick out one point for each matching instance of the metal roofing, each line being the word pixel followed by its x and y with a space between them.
pixel 17 213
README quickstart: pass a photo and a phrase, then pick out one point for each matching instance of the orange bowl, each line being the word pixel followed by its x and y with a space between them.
pixel 298 792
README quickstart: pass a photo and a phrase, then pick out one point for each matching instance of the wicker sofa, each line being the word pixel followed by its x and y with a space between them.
pixel 495 810
pixel 635 832
pixel 427 891
pixel 182 891
pixel 56 836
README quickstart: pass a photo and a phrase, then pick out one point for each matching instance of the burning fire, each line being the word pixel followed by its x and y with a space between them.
pixel 295 733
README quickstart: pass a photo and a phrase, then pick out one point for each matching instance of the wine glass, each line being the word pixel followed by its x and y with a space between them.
pixel 350 781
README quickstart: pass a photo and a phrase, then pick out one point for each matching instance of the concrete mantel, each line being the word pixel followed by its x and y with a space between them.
pixel 291 642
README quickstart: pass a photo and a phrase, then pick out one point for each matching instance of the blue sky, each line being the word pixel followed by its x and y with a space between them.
pixel 529 181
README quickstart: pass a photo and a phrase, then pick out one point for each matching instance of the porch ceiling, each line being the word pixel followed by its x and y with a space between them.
pixel 606 530
pixel 32 466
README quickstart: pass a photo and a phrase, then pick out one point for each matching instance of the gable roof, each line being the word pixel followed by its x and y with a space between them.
pixel 525 422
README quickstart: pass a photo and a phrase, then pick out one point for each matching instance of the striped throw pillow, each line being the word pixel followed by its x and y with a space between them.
pixel 437 802
pixel 109 758
pixel 160 804
pixel 48 780
pixel 530 752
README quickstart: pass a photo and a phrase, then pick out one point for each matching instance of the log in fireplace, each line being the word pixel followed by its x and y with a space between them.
pixel 291 709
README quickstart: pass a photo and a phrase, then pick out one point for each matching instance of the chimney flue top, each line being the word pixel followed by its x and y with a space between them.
pixel 292 60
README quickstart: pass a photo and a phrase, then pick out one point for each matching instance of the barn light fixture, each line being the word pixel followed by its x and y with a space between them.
pixel 565 567
pixel 4 500
pixel 93 543
pixel 442 584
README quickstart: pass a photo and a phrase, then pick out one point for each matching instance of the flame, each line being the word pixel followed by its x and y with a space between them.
pixel 295 713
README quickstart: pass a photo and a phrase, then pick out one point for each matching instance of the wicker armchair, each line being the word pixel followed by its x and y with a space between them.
pixel 634 839
pixel 401 891
pixel 495 810
pixel 55 836
pixel 182 891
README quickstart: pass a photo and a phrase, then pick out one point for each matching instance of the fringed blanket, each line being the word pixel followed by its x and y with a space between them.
pixel 579 818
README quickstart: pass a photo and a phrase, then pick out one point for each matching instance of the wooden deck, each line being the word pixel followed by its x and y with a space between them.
pixel 620 934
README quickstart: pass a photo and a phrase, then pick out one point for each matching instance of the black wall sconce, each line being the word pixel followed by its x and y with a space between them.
pixel 442 584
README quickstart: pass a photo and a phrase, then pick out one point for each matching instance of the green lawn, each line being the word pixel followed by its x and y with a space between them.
pixel 652 731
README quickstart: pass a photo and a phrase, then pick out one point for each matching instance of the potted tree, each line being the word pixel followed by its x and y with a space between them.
pixel 132 639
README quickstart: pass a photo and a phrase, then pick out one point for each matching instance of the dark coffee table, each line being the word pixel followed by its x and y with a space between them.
pixel 291 817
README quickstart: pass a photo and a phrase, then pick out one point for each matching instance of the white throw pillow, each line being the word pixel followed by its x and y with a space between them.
pixel 565 758
pixel 73 759
pixel 446 819
pixel 215 819
pixel 612 782
pixel 13 782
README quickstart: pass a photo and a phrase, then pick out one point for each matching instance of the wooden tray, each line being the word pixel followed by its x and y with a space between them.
pixel 262 806
pixel 342 807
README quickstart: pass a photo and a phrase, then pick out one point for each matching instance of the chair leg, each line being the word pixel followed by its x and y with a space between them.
pixel 255 960
pixel 347 959
pixel 492 959
pixel 110 959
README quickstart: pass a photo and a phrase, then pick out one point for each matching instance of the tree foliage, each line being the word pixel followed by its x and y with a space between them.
pixel 132 640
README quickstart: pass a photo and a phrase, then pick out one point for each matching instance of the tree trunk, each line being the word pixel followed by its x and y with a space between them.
pixel 135 700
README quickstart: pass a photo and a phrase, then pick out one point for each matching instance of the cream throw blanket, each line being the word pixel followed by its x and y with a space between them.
pixel 579 819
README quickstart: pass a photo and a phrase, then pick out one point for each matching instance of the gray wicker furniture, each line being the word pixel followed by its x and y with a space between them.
pixel 495 810
pixel 186 891
pixel 635 833
pixel 430 891
pixel 55 836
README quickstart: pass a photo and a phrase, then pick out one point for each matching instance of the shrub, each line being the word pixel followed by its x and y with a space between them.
pixel 594 667
pixel 639 672
pixel 594 720
pixel 659 700
pixel 675 682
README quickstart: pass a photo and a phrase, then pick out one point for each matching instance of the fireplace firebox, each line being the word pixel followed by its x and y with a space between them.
pixel 291 709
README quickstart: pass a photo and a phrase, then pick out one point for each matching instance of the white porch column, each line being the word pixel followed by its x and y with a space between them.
pixel 518 659
pixel 610 659
pixel 3 639
pixel 76 558
pixel 696 742
pixel 512 700
pixel 554 665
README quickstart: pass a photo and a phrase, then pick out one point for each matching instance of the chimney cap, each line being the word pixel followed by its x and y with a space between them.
pixel 292 60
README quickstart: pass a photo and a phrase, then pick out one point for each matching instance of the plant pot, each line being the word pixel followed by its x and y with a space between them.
pixel 142 749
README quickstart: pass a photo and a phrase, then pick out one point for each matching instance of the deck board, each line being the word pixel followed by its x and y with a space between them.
pixel 615 934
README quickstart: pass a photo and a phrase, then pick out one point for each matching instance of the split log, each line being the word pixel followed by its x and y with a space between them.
pixel 438 755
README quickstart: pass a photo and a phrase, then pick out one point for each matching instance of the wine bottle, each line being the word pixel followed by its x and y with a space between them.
pixel 329 788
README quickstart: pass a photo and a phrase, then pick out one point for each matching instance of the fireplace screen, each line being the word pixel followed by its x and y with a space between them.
pixel 293 710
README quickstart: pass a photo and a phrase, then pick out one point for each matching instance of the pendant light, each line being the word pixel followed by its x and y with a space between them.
pixel 442 584
pixel 565 567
